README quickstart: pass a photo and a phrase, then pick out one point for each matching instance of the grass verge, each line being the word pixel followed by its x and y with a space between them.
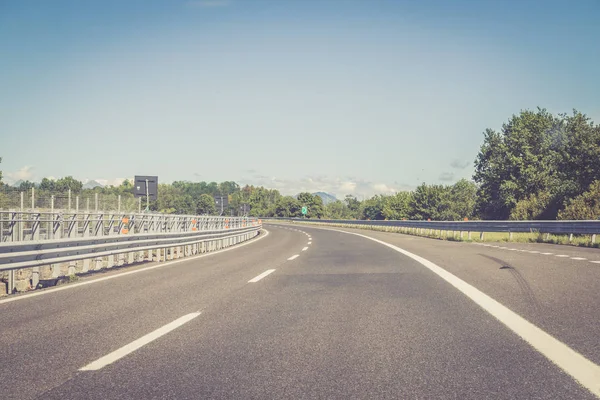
pixel 518 237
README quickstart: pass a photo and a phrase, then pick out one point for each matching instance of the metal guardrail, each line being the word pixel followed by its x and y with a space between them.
pixel 547 227
pixel 71 241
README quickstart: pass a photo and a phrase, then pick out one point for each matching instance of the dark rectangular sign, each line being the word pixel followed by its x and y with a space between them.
pixel 140 189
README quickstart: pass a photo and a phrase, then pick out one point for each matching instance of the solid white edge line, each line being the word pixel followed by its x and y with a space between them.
pixel 259 277
pixel 125 273
pixel 136 344
pixel 573 363
pixel 304 248
pixel 293 257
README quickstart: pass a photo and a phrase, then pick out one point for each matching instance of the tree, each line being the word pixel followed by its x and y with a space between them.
pixel 172 200
pixel 429 202
pixel 287 207
pixel 517 162
pixel 337 210
pixel 64 184
pixel 398 206
pixel 353 205
pixel 372 208
pixel 586 206
pixel 314 204
pixel 47 184
pixel 205 205
pixel 462 197
pixel 25 186
pixel 533 207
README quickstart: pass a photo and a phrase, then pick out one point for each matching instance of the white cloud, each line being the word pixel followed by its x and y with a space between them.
pixel 339 187
pixel 111 182
pixel 24 173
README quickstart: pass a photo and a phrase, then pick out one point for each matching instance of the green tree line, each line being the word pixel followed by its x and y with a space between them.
pixel 537 166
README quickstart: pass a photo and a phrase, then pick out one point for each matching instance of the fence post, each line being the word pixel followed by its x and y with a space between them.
pixel 32 198
pixel 96 199
pixel 139 205
pixel 119 204
pixel 56 267
pixel 69 201
pixel 50 234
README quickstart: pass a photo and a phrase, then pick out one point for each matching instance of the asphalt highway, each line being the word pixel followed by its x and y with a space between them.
pixel 311 313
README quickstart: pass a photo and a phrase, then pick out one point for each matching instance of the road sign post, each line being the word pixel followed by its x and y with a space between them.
pixel 146 186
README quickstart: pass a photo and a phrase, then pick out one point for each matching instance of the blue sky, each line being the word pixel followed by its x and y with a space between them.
pixel 343 96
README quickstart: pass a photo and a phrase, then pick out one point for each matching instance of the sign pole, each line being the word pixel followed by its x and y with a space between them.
pixel 147 197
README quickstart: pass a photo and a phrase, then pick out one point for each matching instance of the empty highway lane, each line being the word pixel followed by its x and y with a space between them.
pixel 303 312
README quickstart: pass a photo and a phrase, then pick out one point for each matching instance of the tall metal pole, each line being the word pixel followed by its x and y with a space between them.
pixel 147 197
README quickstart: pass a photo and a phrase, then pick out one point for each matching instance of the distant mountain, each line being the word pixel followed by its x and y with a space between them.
pixel 17 183
pixel 326 197
pixel 92 184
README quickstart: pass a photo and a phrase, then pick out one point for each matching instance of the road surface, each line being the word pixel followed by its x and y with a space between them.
pixel 311 313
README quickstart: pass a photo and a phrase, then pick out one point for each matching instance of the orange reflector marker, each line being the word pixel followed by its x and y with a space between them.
pixel 194 222
pixel 124 231
pixel 125 220
pixel 194 228
pixel 466 219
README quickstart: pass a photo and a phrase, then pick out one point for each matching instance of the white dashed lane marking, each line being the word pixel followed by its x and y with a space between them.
pixel 537 252
pixel 259 277
pixel 305 248
pixel 293 257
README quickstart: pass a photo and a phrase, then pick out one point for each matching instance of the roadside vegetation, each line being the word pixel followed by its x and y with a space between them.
pixel 537 166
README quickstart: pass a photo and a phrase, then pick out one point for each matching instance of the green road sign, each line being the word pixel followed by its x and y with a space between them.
pixel 304 210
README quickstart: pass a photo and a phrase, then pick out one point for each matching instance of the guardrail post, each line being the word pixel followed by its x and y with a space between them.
pixel 10 289
pixel 86 233
pixel 461 235
pixel 481 236
pixel 510 235
pixel 594 238
pixel 58 233
pixel 35 235
pixel 469 235
pixel 98 231
pixel 110 260
pixel 570 237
